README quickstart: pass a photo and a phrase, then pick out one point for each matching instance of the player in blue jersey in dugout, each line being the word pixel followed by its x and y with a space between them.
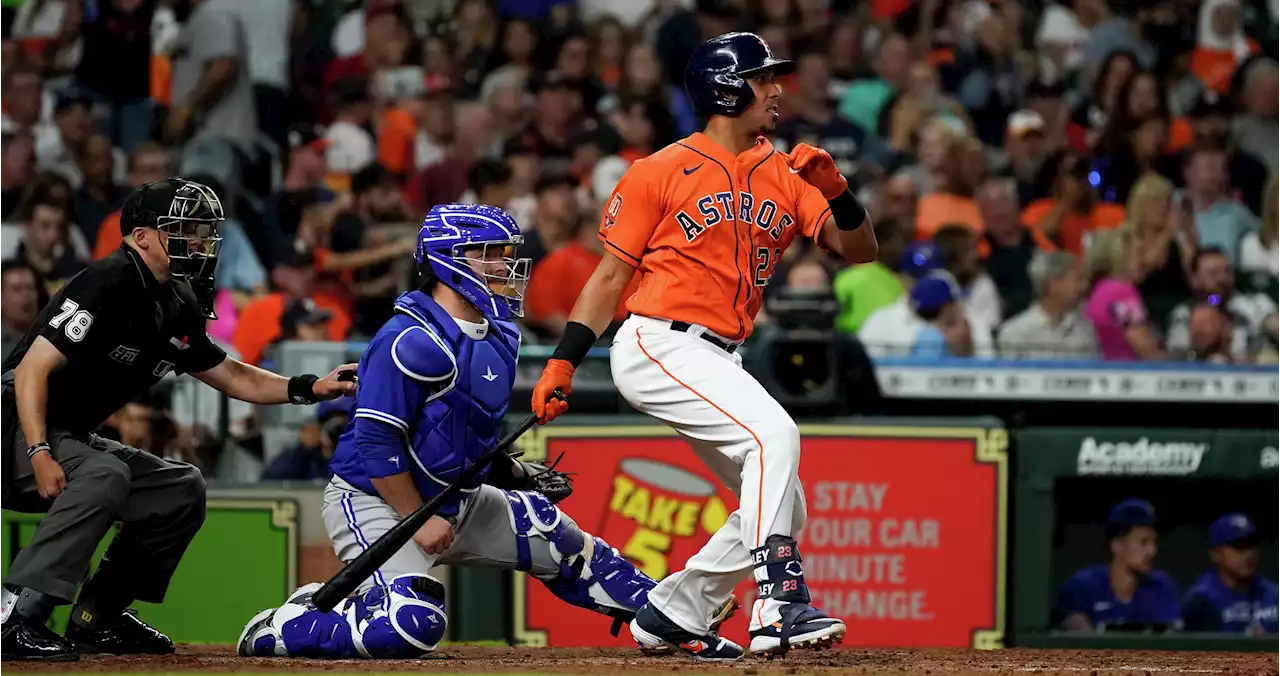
pixel 1128 590
pixel 1231 597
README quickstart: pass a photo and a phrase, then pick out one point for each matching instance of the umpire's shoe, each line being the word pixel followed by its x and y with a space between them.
pixel 652 628
pixel 127 635
pixel 27 639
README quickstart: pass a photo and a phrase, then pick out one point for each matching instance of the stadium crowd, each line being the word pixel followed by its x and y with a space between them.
pixel 1088 179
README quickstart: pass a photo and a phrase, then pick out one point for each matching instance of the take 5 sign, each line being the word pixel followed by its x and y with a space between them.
pixel 904 538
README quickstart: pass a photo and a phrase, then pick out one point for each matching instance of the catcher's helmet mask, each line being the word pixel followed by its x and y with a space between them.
pixel 186 214
pixel 716 77
pixel 494 280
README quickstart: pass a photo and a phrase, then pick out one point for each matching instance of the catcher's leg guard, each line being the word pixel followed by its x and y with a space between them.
pixel 404 619
pixel 592 574
pixel 780 578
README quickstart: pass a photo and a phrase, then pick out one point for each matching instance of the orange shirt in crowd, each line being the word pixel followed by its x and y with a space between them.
pixel 259 324
pixel 558 278
pixel 396 137
pixel 1181 135
pixel 1214 68
pixel 936 210
pixel 109 237
pixel 1073 226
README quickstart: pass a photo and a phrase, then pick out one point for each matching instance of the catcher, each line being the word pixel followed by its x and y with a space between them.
pixel 433 389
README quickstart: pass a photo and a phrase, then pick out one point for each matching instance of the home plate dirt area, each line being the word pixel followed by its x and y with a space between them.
pixel 600 661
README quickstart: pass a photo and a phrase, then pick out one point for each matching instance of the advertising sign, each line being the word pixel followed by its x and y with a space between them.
pixel 903 540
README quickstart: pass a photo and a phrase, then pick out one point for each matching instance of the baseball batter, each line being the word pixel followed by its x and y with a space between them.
pixel 434 386
pixel 705 221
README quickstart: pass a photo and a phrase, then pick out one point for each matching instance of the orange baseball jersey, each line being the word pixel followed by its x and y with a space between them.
pixel 705 229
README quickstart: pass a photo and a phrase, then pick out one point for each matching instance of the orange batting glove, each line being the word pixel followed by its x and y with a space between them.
pixel 817 169
pixel 557 375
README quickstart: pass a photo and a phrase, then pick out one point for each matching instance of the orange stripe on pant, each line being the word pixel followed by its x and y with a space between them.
pixel 760 488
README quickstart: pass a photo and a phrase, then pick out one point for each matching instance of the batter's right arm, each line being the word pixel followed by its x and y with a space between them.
pixel 592 312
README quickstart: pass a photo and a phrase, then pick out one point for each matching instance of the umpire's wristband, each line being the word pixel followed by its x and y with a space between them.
pixel 36 448
pixel 848 211
pixel 575 343
pixel 302 389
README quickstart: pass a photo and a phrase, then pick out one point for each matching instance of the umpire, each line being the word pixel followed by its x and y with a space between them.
pixel 108 335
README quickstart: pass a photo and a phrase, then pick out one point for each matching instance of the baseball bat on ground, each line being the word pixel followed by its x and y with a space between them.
pixel 360 568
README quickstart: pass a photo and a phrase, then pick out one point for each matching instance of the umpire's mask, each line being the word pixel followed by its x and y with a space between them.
pixel 186 214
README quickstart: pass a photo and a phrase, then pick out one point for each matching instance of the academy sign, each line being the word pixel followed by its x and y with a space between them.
pixel 1142 457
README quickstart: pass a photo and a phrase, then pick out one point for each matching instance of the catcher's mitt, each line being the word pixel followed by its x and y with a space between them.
pixel 534 476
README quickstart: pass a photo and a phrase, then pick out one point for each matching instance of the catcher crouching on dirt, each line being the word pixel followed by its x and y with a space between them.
pixel 434 386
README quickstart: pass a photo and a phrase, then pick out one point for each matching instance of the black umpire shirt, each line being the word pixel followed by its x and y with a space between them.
pixel 121 332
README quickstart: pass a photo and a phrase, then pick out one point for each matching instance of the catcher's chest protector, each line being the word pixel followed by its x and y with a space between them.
pixel 463 419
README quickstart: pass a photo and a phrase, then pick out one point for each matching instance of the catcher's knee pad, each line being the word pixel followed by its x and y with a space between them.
pixel 778 572
pixel 591 574
pixel 404 619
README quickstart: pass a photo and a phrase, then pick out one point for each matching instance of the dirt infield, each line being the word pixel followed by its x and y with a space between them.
pixel 600 661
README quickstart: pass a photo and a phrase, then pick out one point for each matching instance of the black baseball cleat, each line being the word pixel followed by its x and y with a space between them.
pixel 126 636
pixel 26 639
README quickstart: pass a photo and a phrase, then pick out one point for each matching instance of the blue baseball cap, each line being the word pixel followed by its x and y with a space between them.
pixel 1233 530
pixel 920 259
pixel 341 405
pixel 933 291
pixel 1128 514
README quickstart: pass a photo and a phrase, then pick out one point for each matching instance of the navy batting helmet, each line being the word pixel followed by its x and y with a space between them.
pixel 716 75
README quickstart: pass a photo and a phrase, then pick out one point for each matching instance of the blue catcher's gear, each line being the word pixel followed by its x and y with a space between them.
pixel 404 619
pixel 716 76
pixel 470 248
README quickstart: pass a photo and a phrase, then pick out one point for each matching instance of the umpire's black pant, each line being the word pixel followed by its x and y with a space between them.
pixel 160 505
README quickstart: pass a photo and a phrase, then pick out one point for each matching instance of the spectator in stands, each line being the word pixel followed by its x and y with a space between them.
pixel 1249 318
pixel 1232 597
pixel 98 195
pixel 1115 307
pixel 1028 152
pixel 115 65
pixel 20 302
pixel 573 59
pixel 504 98
pixel 1126 591
pixel 1125 157
pixel 550 127
pixel 1210 120
pixel 1258 254
pixel 376 201
pixel 992 87
pixel 864 99
pixel 1209 336
pixel 609 48
pixel 1089 118
pixel 1220 221
pixel 73 125
pixel 1255 128
pixel 294 279
pixel 863 289
pixel 941 329
pixel 556 219
pixel 24 106
pixel 1138 33
pixel 1053 327
pixel 897 199
pixel 213 117
pixel 685 29
pixel 350 147
pixel 1009 246
pixel 811 115
pixel 1073 212
pixel 1220 44
pixel 149 163
pixel 949 198
pixel 309 459
pixel 45 246
pixel 491 183
pixel 304 321
pixel 961 258
pixel 19 165
pixel 892 329
pixel 1063 33
pixel 558 278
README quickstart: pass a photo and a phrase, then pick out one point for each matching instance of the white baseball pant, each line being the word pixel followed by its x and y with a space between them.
pixel 742 434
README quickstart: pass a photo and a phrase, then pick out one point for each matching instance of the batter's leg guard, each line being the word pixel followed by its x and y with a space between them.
pixel 405 619
pixel 592 574
pixel 779 576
